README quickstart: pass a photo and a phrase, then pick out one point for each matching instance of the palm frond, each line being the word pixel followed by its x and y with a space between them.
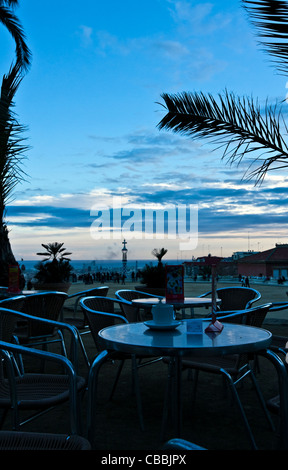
pixel 238 125
pixel 270 18
pixel 10 3
pixel 55 250
pixel 12 147
pixel 11 22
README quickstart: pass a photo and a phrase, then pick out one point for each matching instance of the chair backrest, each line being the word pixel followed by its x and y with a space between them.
pixel 11 440
pixel 44 305
pixel 254 316
pixel 129 310
pixel 100 313
pixel 7 319
pixel 237 298
pixel 101 291
pixel 126 294
pixel 13 303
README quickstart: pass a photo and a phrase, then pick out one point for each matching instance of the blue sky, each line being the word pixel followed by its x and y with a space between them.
pixel 91 105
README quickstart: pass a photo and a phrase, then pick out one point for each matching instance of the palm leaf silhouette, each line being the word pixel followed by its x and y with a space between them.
pixel 240 126
pixel 270 18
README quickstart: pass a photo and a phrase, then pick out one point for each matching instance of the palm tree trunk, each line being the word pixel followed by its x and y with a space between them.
pixel 6 255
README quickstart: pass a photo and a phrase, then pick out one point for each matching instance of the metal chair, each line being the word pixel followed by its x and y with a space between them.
pixel 94 310
pixel 233 368
pixel 253 316
pixel 100 313
pixel 131 312
pixel 21 390
pixel 80 322
pixel 17 440
pixel 15 303
pixel 92 389
pixel 10 319
pixel 279 343
pixel 180 444
pixel 235 298
pixel 47 305
pixel 7 320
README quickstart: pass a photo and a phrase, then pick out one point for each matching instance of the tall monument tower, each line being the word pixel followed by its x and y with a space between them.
pixel 124 259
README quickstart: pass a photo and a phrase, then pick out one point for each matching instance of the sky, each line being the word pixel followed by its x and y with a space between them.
pixel 91 102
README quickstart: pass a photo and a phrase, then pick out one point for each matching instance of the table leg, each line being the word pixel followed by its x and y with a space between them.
pixel 178 395
pixel 173 398
pixel 183 313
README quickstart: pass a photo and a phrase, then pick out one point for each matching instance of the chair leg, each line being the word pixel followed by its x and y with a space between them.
pixel 82 347
pixel 86 358
pixel 167 399
pixel 262 401
pixel 116 379
pixel 194 387
pixel 172 406
pixel 240 406
pixel 136 388
pixel 92 393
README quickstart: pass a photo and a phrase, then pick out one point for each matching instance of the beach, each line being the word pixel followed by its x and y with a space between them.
pixel 213 422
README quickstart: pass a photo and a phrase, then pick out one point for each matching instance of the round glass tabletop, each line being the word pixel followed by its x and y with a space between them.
pixel 139 339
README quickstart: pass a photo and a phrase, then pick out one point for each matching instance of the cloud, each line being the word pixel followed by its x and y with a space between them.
pixel 198 18
pixel 171 49
pixel 177 171
pixel 108 43
pixel 86 35
pixel 48 216
pixel 229 209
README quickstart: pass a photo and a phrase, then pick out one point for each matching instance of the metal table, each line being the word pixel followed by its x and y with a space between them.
pixel 138 339
pixel 187 302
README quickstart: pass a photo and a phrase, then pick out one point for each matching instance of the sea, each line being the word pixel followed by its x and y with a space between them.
pixel 94 266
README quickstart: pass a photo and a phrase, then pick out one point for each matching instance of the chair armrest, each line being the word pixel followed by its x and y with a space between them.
pixel 114 315
pixel 251 302
pixel 77 297
pixel 45 355
pixel 59 325
pixel 6 348
pixel 231 316
pixel 206 294
pixel 85 293
pixel 181 444
pixel 276 306
pixel 224 313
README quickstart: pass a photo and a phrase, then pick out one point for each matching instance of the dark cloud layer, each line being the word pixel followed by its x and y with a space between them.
pixel 220 209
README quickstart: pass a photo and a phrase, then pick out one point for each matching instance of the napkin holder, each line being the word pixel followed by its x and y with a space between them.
pixel 214 327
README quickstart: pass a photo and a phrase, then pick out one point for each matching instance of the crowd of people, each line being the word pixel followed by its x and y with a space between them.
pixel 105 276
